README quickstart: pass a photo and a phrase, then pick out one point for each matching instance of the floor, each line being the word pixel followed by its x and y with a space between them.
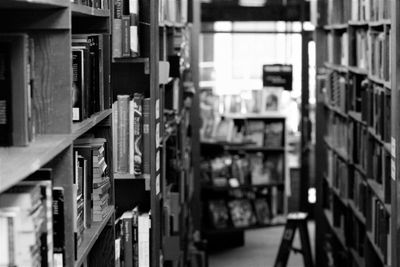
pixel 260 249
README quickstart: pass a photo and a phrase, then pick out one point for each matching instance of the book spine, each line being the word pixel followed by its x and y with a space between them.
pixel 135 238
pixel 117 30
pixel 58 226
pixel 128 254
pixel 19 66
pixel 126 39
pixel 134 22
pixel 114 135
pixel 146 138
pixel 123 133
pixel 5 95
pixel 144 240
pixel 131 138
pixel 77 85
pixel 138 134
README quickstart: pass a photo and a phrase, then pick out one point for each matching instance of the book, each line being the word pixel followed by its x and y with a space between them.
pixel 255 132
pixel 274 134
pixel 138 133
pixel 16 105
pixel 127 218
pixel 146 138
pixel 133 28
pixel 241 213
pixel 144 228
pixel 271 99
pixel 123 134
pixel 117 30
pixel 262 211
pixel 218 214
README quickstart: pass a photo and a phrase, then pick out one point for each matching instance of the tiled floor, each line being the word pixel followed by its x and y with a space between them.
pixel 260 249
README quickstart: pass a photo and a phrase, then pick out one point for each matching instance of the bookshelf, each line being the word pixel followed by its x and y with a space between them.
pixel 230 179
pixel 70 147
pixel 356 112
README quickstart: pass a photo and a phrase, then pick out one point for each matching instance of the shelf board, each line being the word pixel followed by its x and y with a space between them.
pixel 82 127
pixel 238 229
pixel 341 198
pixel 86 11
pixel 269 115
pixel 379 193
pixel 378 138
pixel 358 23
pixel 336 26
pixel 380 23
pixel 336 110
pixel 338 152
pixel 357 70
pixel 255 148
pixel 226 188
pixel 336 67
pixel 360 169
pixel 33 4
pixel 337 232
pixel 357 117
pixel 131 60
pixel 357 212
pixel 360 260
pixel 376 248
pixel 91 235
pixel 172 24
pixel 39 152
pixel 379 81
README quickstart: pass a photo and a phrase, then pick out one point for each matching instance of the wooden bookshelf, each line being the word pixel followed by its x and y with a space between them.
pixel 354 143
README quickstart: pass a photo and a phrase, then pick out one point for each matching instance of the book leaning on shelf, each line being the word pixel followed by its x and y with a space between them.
pixel 17 123
pixel 131 136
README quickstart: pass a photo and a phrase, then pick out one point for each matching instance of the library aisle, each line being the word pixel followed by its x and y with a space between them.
pixel 260 249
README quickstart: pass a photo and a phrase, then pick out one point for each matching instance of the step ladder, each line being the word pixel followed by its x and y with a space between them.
pixel 294 221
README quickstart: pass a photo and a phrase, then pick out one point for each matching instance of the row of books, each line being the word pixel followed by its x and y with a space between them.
pixel 378 223
pixel 337 133
pixel 337 46
pixel 245 211
pixel 370 10
pixel 379 166
pixel 358 192
pixel 338 174
pixel 32 223
pixel 379 119
pixel 357 97
pixel 131 136
pixel 91 185
pixel 99 4
pixel 125 25
pixel 17 75
pixel 174 11
pixel 360 52
pixel 380 55
pixel 358 144
pixel 259 133
pixel 342 11
pixel 356 235
pixel 90 72
pixel 132 244
pixel 336 91
pixel 247 169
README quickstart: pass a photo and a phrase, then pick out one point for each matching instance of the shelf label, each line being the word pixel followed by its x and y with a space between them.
pixel 158 161
pixel 393 169
pixel 157 108
pixel 393 147
pixel 157 135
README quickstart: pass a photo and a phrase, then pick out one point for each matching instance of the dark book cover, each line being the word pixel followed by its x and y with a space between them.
pixel 106 65
pixel 86 151
pixel 5 95
pixel 138 133
pixel 262 211
pixel 77 85
pixel 20 93
pixel 218 214
pixel 96 72
pixel 127 238
pixel 58 225
pixel 146 138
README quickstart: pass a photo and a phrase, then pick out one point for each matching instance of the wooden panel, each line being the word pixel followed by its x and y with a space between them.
pixel 52 90
pixel 34 156
pixel 59 19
